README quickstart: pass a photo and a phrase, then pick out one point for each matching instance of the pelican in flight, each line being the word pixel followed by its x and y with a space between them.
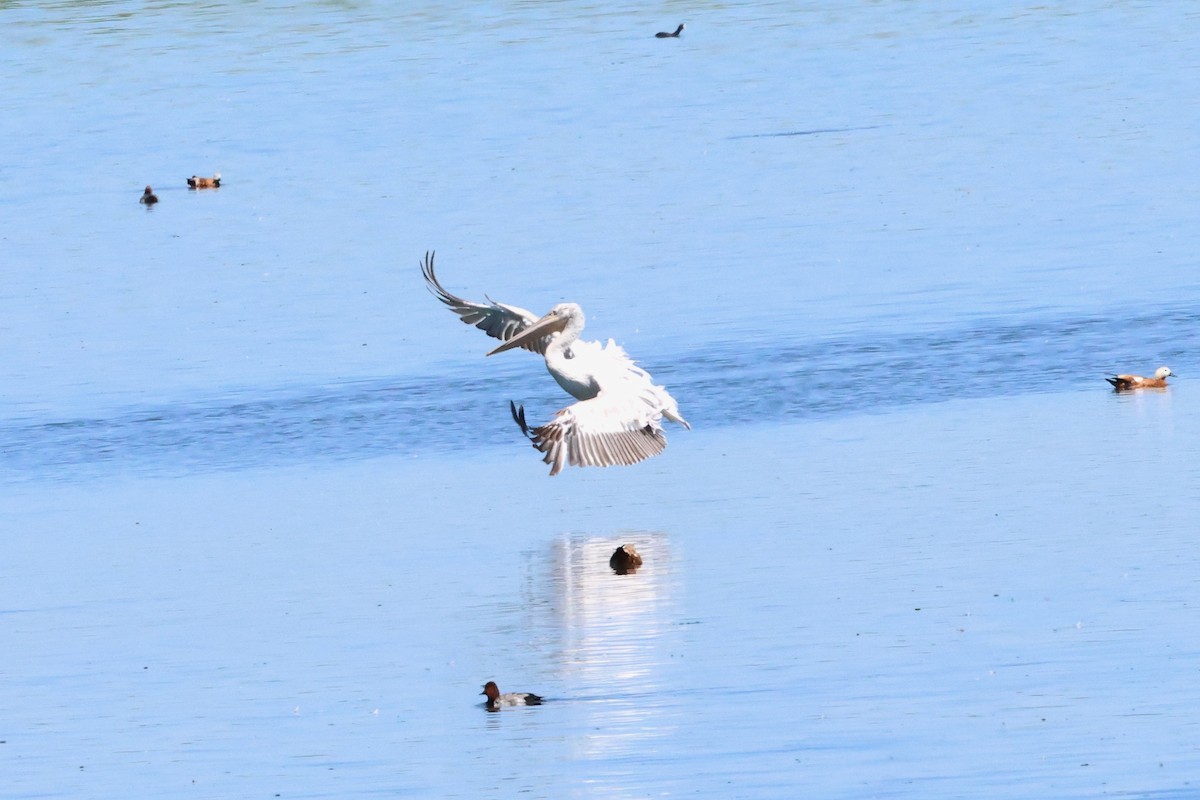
pixel 618 419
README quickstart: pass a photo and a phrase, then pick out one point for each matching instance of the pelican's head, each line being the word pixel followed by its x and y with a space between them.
pixel 566 312
pixel 1163 372
pixel 555 321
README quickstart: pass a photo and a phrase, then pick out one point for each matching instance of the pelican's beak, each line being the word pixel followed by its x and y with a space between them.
pixel 551 323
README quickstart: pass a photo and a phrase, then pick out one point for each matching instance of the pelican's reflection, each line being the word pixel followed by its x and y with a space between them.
pixel 614 632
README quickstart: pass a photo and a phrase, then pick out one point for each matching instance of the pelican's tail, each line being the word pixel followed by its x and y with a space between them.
pixel 674 415
pixel 668 407
pixel 661 400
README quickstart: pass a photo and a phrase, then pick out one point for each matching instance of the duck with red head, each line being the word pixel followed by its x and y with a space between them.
pixel 148 197
pixel 496 701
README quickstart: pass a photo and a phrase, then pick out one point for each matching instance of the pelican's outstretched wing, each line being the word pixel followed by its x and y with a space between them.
pixel 607 430
pixel 497 320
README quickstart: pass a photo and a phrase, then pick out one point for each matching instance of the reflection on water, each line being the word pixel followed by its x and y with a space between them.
pixel 760 380
pixel 614 632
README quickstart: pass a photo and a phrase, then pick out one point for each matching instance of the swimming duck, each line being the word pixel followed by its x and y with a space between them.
pixel 205 183
pixel 495 700
pixel 148 197
pixel 1124 382
pixel 665 35
pixel 625 559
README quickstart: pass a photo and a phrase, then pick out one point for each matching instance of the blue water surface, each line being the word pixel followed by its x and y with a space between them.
pixel 267 522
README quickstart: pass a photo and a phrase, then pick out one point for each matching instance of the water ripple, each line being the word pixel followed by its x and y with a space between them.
pixel 722 383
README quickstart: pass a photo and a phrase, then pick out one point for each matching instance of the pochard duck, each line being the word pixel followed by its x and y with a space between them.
pixel 496 701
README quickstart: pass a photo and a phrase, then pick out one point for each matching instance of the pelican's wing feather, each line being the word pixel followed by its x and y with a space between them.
pixel 609 429
pixel 498 320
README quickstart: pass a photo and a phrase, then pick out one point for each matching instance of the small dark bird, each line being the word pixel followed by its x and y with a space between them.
pixel 205 183
pixel 148 197
pixel 495 700
pixel 665 35
pixel 625 559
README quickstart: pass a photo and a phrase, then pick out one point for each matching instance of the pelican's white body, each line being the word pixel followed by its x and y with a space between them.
pixel 618 419
pixel 585 370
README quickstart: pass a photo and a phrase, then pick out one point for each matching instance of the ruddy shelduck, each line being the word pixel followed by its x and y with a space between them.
pixel 196 182
pixel 1125 382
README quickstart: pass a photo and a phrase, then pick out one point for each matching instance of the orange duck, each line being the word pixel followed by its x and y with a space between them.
pixel 1125 382
pixel 214 182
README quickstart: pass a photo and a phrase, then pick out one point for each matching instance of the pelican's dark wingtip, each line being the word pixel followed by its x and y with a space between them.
pixel 431 282
pixel 518 415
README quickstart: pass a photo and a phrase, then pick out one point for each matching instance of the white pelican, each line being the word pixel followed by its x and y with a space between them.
pixel 618 419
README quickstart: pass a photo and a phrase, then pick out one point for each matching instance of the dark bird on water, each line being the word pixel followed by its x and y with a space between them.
pixel 148 197
pixel 625 559
pixel 665 35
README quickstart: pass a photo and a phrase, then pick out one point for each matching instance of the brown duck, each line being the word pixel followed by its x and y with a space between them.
pixel 625 559
pixel 1126 382
pixel 196 182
